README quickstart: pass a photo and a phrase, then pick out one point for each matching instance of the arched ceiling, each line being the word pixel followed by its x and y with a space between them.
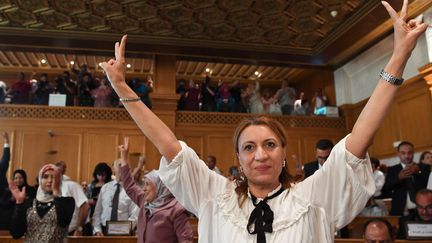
pixel 288 33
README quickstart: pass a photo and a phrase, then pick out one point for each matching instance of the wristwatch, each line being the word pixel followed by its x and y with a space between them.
pixel 390 78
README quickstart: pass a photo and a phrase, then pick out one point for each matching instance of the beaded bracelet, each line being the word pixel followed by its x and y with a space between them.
pixel 126 100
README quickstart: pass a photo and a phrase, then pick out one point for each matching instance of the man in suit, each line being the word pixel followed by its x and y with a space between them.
pixel 422 214
pixel 322 152
pixel 404 180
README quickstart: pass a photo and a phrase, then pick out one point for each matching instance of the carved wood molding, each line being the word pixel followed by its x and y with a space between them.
pixel 232 119
pixel 182 117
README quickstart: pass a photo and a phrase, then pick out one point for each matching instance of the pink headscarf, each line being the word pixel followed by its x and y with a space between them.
pixel 163 195
pixel 41 195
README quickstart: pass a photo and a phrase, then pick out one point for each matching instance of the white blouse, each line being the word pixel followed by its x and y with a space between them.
pixel 311 211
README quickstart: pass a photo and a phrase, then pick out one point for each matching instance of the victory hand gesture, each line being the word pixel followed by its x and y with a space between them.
pixel 115 69
pixel 124 151
pixel 405 33
pixel 16 193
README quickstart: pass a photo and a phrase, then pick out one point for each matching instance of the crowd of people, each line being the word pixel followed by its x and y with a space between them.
pixel 246 98
pixel 91 91
pixel 87 90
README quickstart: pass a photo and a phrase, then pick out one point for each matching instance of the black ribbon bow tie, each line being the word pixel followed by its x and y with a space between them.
pixel 261 218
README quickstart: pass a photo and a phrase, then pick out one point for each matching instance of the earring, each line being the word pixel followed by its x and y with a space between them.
pixel 283 164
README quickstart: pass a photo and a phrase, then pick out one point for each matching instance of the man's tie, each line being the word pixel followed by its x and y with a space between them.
pixel 115 202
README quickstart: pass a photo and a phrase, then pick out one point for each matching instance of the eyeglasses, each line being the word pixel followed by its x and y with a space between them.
pixel 428 207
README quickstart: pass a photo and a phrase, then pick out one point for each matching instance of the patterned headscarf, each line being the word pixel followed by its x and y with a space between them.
pixel 163 195
pixel 41 195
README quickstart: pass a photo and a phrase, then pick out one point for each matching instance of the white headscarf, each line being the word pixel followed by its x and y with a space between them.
pixel 163 195
pixel 41 195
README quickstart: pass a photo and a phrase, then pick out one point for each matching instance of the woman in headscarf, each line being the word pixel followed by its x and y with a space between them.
pixel 161 218
pixel 20 179
pixel 46 218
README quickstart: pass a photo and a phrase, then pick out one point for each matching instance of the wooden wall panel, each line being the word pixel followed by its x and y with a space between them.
pixel 414 119
pixel 386 135
pixel 83 144
pixel 195 141
pixel 100 147
pixel 409 119
pixel 67 148
pixel 34 148
pixel 221 147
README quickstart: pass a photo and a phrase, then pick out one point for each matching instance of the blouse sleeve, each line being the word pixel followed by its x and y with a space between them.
pixel 18 225
pixel 135 192
pixel 65 207
pixel 190 180
pixel 341 187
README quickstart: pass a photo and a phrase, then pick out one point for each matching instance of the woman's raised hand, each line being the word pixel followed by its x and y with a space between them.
pixel 124 152
pixel 115 69
pixel 16 193
pixel 406 32
pixel 56 183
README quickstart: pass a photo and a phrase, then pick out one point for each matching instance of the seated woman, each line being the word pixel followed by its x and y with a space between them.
pixel 46 218
pixel 268 204
pixel 161 218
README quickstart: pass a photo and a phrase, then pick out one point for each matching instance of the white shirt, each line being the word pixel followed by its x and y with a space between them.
pixel 310 212
pixel 216 169
pixel 70 188
pixel 379 178
pixel 127 210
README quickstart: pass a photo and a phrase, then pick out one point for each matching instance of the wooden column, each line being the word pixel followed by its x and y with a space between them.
pixel 164 100
pixel 164 96
pixel 426 72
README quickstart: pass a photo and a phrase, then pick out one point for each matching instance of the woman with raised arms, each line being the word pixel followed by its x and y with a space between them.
pixel 268 205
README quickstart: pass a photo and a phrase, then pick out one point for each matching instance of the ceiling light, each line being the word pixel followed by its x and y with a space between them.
pixel 256 73
pixel 207 70
pixel 72 62
pixel 334 13
pixel 43 61
pixel 128 65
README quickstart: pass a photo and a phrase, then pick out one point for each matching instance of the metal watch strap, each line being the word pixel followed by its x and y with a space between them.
pixel 390 78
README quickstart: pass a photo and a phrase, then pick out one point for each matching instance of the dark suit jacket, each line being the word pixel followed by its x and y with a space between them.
pixel 310 168
pixel 402 220
pixel 398 189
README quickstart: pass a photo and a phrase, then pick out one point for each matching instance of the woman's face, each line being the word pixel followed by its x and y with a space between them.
pixel 261 155
pixel 150 190
pixel 18 179
pixel 101 177
pixel 428 159
pixel 47 181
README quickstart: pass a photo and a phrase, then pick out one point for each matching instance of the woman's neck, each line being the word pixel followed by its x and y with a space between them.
pixel 262 191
